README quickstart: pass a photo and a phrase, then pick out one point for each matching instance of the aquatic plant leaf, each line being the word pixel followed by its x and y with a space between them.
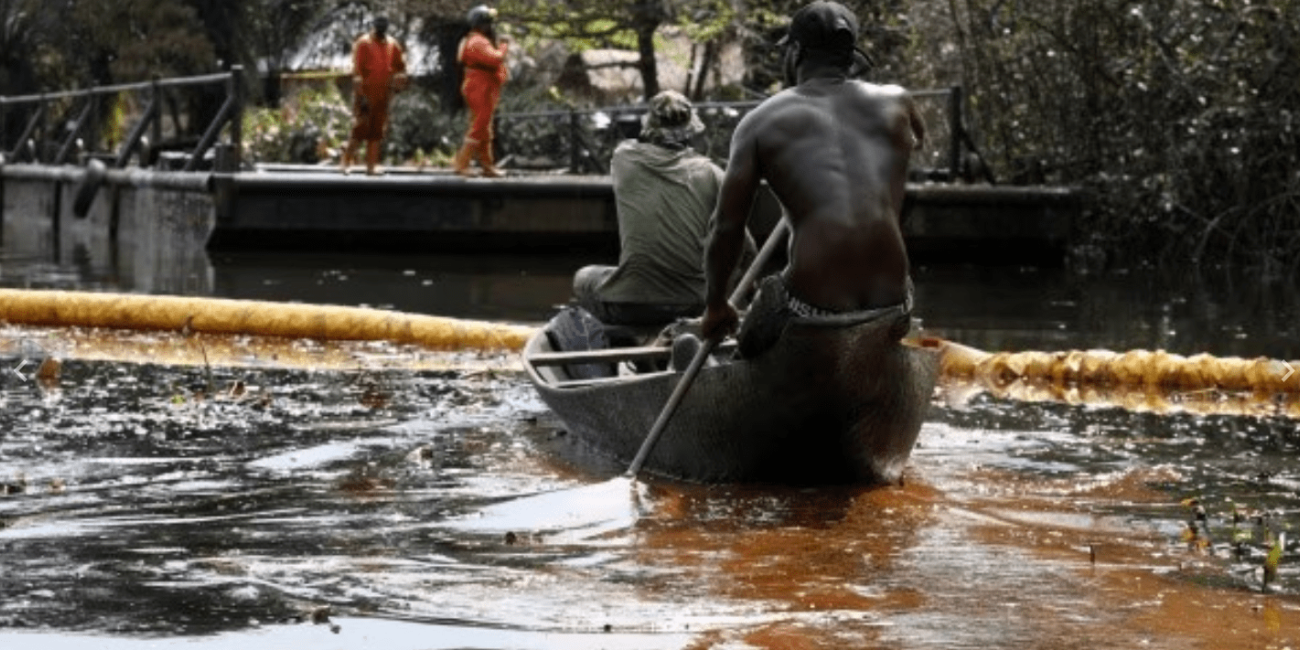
pixel 1274 558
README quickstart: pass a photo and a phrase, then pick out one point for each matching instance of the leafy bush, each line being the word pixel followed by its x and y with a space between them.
pixel 420 132
pixel 311 126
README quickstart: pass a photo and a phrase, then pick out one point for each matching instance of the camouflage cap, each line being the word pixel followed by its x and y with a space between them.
pixel 671 119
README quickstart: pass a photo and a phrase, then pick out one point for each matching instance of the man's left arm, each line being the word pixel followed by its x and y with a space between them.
pixel 399 59
pixel 398 66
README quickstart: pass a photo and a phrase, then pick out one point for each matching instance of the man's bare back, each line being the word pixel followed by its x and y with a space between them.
pixel 835 152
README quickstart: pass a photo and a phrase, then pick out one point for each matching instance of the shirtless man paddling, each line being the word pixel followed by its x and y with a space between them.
pixel 835 152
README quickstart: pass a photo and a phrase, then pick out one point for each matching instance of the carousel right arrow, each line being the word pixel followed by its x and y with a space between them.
pixel 1289 371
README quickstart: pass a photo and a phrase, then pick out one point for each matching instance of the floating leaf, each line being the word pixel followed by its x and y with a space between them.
pixel 1273 559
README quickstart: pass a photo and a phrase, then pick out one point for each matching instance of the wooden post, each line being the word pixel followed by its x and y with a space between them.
pixel 151 112
pixel 235 89
pixel 66 148
pixel 954 132
pixel 44 129
pixel 210 136
pixel 4 113
pixel 575 157
pixel 96 135
pixel 26 135
pixel 155 133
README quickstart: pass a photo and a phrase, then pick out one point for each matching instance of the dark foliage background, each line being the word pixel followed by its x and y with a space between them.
pixel 1178 116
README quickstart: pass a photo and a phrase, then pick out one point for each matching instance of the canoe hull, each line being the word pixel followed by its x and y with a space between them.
pixel 826 405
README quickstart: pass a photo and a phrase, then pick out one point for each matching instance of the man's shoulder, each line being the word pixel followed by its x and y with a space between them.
pixel 628 151
pixel 782 98
pixel 633 148
pixel 632 154
pixel 701 162
pixel 880 91
pixel 369 40
pixel 775 105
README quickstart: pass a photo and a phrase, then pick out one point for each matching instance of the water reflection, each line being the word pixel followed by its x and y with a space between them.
pixel 992 308
pixel 470 286
pixel 1000 308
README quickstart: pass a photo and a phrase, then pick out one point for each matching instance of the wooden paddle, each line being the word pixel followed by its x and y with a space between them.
pixel 688 378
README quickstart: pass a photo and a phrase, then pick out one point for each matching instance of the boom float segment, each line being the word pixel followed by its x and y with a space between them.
pixel 247 317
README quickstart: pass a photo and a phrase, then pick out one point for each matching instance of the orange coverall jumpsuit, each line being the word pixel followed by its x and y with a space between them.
pixel 485 73
pixel 378 63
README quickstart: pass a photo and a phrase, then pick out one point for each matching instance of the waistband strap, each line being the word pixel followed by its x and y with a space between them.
pixel 802 309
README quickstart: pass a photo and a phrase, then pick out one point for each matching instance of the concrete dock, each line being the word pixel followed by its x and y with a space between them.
pixel 407 210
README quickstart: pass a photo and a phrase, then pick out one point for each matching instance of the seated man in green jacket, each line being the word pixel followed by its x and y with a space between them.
pixel 665 192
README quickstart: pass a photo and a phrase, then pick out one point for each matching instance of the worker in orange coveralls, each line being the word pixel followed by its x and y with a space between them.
pixel 378 72
pixel 484 62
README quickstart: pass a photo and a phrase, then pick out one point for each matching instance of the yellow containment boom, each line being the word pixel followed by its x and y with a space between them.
pixel 1138 380
pixel 247 317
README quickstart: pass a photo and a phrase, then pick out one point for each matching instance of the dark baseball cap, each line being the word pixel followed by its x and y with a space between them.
pixel 823 25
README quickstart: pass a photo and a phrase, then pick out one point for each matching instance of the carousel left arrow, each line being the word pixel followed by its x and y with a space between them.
pixel 18 370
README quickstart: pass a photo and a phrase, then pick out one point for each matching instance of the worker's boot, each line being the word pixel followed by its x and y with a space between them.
pixel 485 159
pixel 372 158
pixel 460 164
pixel 346 163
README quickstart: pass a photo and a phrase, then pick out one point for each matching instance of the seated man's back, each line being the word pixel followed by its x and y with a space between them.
pixel 665 193
pixel 664 198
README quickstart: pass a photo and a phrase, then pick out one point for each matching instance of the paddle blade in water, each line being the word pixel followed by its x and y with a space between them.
pixel 572 514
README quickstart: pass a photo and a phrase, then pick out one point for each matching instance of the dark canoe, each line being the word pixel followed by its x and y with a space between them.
pixel 834 401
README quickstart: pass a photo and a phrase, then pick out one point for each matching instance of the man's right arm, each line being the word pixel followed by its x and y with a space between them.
pixel 727 229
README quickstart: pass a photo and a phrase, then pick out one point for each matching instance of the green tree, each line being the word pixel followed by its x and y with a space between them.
pixel 1180 115
pixel 20 28
pixel 629 24
pixel 139 39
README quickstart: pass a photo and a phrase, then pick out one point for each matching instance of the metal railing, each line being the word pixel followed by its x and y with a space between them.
pixel 50 138
pixel 578 141
pixel 582 141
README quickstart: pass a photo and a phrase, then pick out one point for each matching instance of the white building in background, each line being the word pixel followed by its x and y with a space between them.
pixel 330 48
pixel 611 76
